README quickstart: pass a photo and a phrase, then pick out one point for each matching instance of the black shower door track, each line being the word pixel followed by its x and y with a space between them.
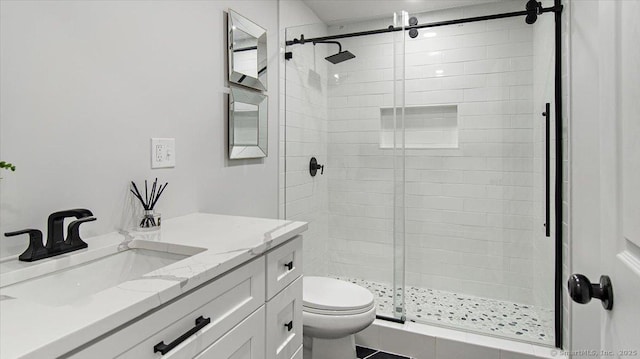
pixel 557 10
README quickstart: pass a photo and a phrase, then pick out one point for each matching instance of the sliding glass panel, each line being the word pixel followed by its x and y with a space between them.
pixel 477 255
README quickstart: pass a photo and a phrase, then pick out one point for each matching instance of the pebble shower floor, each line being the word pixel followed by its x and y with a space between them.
pixel 492 316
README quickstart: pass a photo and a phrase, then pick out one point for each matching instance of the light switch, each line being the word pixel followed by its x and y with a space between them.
pixel 163 152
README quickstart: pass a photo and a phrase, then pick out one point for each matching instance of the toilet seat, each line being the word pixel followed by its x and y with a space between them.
pixel 337 312
pixel 333 297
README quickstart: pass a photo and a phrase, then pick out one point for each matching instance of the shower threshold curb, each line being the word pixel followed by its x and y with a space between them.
pixel 380 333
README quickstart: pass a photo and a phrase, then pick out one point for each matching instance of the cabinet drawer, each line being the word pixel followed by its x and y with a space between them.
pixel 225 301
pixel 284 265
pixel 284 322
pixel 245 341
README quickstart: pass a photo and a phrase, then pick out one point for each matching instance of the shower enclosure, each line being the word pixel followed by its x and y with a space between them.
pixel 436 139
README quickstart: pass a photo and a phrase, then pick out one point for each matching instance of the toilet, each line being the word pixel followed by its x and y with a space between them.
pixel 333 311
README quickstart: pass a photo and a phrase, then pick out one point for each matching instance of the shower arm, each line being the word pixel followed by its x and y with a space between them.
pixel 328 42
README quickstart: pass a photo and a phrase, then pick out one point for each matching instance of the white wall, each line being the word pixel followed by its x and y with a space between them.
pixel 85 85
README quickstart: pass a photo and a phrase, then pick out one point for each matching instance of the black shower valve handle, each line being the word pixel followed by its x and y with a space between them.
pixel 314 167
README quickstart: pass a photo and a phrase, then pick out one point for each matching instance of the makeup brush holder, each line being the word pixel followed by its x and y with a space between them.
pixel 150 221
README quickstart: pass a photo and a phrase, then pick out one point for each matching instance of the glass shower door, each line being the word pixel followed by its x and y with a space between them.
pixel 477 257
pixel 432 193
pixel 345 114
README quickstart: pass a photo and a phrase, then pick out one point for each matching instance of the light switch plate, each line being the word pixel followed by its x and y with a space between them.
pixel 163 152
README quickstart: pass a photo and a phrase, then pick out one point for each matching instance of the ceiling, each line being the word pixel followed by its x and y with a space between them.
pixel 337 11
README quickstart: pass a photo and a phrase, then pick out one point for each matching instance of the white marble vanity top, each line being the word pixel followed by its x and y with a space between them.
pixel 33 329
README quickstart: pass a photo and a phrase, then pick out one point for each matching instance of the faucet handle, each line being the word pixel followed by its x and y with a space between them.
pixel 35 250
pixel 30 231
pixel 73 232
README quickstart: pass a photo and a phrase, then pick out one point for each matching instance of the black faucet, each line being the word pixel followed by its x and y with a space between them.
pixel 56 244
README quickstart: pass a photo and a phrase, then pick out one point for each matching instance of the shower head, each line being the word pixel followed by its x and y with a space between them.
pixel 340 56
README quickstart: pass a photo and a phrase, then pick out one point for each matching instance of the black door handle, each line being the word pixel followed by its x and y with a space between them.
pixel 581 290
pixel 289 265
pixel 163 348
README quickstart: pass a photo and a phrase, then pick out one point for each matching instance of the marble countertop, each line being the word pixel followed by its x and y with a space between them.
pixel 33 329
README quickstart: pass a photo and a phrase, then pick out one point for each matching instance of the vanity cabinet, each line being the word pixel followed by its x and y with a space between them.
pixel 284 322
pixel 232 316
pixel 246 340
pixel 284 265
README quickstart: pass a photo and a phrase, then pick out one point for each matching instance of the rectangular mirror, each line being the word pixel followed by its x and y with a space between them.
pixel 247 124
pixel 247 52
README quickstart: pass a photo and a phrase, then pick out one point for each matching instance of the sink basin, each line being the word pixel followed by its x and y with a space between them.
pixel 83 274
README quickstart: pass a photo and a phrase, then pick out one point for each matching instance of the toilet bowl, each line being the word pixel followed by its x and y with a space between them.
pixel 333 311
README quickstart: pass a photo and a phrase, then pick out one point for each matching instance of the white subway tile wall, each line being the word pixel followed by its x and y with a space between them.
pixel 473 211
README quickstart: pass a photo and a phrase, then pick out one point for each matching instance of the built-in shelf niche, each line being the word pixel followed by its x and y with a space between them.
pixel 425 127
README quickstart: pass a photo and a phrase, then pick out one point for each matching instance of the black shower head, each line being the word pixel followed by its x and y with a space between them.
pixel 340 56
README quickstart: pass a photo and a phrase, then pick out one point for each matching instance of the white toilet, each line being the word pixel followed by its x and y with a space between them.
pixel 333 311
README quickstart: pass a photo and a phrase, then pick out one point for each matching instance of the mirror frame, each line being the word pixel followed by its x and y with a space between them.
pixel 239 22
pixel 241 151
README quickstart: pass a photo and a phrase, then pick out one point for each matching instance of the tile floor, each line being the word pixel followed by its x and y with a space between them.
pixel 368 353
pixel 487 316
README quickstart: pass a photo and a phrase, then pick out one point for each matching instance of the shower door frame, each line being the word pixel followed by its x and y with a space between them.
pixel 537 9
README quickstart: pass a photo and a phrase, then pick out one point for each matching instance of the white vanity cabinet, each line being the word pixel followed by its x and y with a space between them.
pixel 284 300
pixel 245 341
pixel 233 316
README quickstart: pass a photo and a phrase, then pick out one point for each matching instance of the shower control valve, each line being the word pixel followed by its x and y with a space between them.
pixel 314 167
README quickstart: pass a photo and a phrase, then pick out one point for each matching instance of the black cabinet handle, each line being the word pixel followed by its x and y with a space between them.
pixel 289 265
pixel 163 348
pixel 289 326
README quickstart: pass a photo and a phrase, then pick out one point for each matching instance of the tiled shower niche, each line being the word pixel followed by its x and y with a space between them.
pixel 424 127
